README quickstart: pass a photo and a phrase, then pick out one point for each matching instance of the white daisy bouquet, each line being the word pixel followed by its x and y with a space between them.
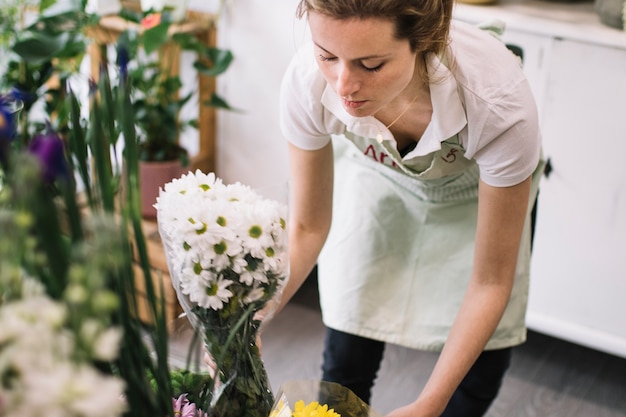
pixel 226 248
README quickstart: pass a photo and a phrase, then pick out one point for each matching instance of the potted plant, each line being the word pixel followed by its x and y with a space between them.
pixel 41 46
pixel 157 94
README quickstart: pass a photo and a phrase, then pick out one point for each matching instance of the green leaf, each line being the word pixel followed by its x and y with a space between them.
pixel 219 61
pixel 219 102
pixel 45 4
pixel 78 142
pixel 53 243
pixel 74 48
pixel 189 42
pixel 131 15
pixel 155 37
pixel 130 41
pixel 57 21
pixel 37 48
pixel 55 7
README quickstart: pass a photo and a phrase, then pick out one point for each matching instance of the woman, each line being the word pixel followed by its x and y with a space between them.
pixel 419 137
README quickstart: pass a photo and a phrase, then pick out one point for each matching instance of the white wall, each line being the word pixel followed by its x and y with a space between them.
pixel 263 36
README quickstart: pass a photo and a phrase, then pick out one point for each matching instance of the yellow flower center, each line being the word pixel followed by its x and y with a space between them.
pixel 255 232
pixel 220 248
pixel 202 229
pixel 212 290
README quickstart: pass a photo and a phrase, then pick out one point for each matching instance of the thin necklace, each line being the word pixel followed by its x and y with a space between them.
pixel 379 137
pixel 403 111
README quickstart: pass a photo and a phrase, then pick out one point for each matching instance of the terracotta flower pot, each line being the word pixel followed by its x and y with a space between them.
pixel 152 177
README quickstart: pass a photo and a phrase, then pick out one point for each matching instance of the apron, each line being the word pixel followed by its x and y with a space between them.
pixel 399 255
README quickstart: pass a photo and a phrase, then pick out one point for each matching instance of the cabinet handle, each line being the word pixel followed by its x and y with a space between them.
pixel 548 168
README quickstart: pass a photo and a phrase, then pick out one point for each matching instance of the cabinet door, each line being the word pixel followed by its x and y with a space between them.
pixel 578 272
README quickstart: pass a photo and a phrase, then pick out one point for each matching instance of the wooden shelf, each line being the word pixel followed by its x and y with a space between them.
pixel 202 25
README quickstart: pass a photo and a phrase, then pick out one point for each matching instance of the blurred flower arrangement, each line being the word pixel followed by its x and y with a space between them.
pixel 71 343
pixel 226 248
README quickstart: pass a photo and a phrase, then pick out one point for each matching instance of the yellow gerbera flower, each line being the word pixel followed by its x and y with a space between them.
pixel 313 409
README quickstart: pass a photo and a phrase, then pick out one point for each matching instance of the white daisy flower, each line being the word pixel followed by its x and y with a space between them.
pixel 216 295
pixel 216 230
pixel 250 277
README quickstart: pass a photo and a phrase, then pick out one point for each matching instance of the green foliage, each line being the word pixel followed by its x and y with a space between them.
pixel 191 383
pixel 83 255
pixel 48 227
pixel 110 116
pixel 54 44
pixel 157 91
pixel 82 234
pixel 243 387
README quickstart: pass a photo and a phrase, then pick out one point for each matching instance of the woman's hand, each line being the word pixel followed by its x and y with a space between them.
pixel 406 411
pixel 415 409
pixel 208 361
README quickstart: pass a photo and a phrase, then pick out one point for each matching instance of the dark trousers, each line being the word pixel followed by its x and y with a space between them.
pixel 354 361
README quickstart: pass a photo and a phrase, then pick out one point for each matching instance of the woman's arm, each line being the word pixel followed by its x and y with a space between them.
pixel 310 212
pixel 501 216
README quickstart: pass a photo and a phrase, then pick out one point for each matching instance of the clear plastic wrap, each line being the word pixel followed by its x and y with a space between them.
pixel 226 250
pixel 313 398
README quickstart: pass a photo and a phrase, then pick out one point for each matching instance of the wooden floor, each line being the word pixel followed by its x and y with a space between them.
pixel 548 377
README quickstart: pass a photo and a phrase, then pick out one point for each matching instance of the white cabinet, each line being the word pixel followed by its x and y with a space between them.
pixel 578 286
pixel 577 70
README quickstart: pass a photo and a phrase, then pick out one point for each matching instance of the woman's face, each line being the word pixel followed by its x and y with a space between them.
pixel 362 61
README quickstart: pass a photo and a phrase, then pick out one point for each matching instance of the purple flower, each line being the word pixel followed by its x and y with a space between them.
pixel 122 61
pixel 49 149
pixel 7 119
pixel 25 97
pixel 184 408
pixel 93 87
